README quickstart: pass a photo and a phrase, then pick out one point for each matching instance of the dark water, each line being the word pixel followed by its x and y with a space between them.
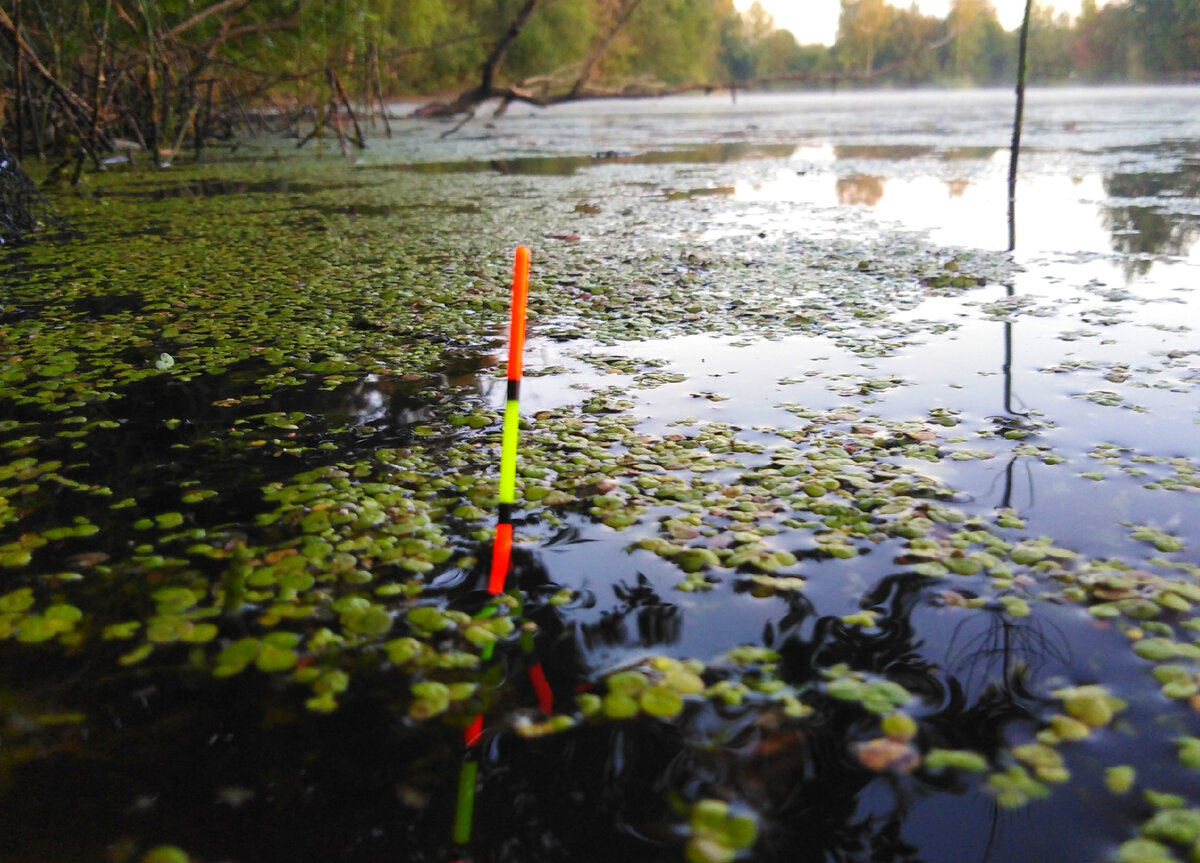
pixel 774 259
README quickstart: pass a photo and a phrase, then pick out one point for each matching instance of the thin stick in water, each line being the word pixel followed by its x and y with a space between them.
pixel 1022 46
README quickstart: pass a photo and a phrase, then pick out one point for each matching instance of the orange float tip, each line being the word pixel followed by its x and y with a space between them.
pixel 516 329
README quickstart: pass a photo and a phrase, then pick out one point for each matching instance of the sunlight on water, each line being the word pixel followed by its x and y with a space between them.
pixel 1056 213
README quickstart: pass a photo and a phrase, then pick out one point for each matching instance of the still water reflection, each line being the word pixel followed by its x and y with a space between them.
pixel 235 770
pixel 1145 214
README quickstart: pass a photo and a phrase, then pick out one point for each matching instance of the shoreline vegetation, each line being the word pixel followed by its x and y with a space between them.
pixel 83 79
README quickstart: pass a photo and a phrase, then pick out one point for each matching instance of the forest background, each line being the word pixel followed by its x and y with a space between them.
pixel 77 74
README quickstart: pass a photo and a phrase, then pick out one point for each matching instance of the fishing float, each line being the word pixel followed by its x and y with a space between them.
pixel 502 547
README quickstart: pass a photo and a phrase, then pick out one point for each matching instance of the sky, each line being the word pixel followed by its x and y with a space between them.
pixel 816 20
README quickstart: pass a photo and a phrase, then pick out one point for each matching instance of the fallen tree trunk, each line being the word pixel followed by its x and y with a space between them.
pixel 487 89
pixel 538 91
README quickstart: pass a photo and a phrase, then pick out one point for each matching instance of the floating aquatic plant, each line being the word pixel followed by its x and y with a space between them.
pixel 715 834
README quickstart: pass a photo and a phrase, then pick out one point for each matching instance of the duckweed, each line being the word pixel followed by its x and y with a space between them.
pixel 322 528
pixel 716 835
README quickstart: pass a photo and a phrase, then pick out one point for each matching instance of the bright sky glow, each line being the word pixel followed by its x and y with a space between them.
pixel 816 20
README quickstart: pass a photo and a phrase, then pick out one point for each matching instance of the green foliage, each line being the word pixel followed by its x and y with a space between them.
pixel 553 40
pixel 862 29
pixel 1101 44
pixel 1049 57
pixel 1167 34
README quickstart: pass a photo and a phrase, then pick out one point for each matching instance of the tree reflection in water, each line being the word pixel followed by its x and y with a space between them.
pixel 237 769
pixel 614 785
pixel 860 189
pixel 1139 218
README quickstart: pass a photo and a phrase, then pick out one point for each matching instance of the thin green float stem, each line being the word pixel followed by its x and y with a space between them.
pixel 465 810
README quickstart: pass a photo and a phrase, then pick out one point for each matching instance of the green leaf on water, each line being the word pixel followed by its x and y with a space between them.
pixel 136 655
pixel 619 705
pixel 374 620
pixel 169 520
pixel 120 631
pixel 18 600
pixel 1120 778
pixel 1144 851
pixel 274 659
pixel 1189 751
pixel 166 853
pixel 660 701
pixel 957 759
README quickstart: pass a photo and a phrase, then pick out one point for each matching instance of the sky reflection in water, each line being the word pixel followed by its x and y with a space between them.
pixel 1082 304
pixel 1105 288
pixel 1056 212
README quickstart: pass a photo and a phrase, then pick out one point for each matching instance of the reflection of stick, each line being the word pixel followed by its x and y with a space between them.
pixel 508 446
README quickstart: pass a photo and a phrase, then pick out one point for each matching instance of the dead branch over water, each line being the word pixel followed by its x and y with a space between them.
pixel 541 91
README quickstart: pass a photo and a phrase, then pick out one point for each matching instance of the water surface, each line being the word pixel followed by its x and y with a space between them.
pixel 255 408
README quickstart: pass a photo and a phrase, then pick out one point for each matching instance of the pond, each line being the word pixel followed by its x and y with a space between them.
pixel 841 533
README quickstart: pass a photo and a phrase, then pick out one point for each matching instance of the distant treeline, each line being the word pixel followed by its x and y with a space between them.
pixel 75 74
pixel 1125 40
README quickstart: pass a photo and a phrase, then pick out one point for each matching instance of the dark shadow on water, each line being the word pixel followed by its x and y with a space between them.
pixel 903 152
pixel 355 211
pixel 567 165
pixel 212 187
pixel 237 769
pixel 166 435
pixel 884 151
pixel 96 306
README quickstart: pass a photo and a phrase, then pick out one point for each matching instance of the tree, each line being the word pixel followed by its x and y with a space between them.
pixel 1102 42
pixel 970 21
pixel 862 28
pixel 673 42
pixel 1049 44
pixel 1168 35
pixel 907 36
pixel 752 47
pixel 78 73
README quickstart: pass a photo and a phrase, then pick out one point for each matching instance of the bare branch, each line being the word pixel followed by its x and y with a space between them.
pixel 491 66
pixel 623 15
pixel 232 7
pixel 487 89
pixel 69 96
pixel 539 95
